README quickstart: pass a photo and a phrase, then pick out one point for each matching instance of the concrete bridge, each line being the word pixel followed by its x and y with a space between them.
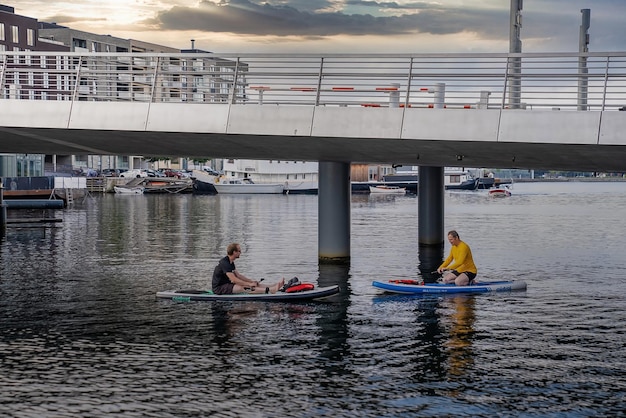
pixel 531 111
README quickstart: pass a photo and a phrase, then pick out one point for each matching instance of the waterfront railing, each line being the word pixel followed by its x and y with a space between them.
pixel 553 81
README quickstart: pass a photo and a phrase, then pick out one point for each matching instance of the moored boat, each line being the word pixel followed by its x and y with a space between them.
pixel 454 178
pixel 297 177
pixel 128 190
pixel 459 180
pixel 417 287
pixel 386 189
pixel 245 186
pixel 203 182
pixel 167 185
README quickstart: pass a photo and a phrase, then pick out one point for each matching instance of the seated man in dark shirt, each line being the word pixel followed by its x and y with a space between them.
pixel 227 280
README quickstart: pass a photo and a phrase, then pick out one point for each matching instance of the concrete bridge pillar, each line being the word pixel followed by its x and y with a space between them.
pixel 430 218
pixel 3 213
pixel 334 213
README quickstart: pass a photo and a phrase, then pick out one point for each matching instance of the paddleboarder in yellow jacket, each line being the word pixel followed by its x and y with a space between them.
pixel 459 267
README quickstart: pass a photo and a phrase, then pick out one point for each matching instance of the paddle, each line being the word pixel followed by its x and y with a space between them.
pixel 254 287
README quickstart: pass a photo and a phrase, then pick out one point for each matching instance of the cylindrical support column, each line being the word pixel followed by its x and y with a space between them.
pixel 439 101
pixel 334 212
pixel 3 212
pixel 430 217
pixel 430 221
pixel 430 205
pixel 515 46
pixel 583 47
pixel 484 99
pixel 394 95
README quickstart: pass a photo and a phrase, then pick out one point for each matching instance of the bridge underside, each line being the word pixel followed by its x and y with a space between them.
pixel 569 157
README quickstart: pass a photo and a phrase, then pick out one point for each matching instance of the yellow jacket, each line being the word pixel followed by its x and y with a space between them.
pixel 463 261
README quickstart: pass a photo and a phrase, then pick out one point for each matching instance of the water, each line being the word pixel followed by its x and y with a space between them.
pixel 82 334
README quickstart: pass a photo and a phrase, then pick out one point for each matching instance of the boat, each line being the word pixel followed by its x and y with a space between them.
pixel 301 187
pixel 167 185
pixel 203 182
pixel 363 187
pixel 500 192
pixel 128 190
pixel 226 185
pixel 459 179
pixel 207 295
pixel 297 177
pixel 386 189
pixel 486 183
pixel 454 178
pixel 416 287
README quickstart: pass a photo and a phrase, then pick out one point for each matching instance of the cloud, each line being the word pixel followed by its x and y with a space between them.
pixel 279 19
pixel 398 25
pixel 67 20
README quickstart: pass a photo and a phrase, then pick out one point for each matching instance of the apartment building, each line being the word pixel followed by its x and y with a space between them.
pixel 202 79
pixel 19 33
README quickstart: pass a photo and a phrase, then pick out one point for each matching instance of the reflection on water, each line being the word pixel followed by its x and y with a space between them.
pixel 82 333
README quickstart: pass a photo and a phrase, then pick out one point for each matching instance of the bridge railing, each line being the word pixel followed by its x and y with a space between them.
pixel 566 81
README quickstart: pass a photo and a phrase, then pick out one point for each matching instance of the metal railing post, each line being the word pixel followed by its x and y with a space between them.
pixel 408 84
pixel 154 80
pixel 506 82
pixel 319 82
pixel 77 81
pixel 233 91
pixel 606 81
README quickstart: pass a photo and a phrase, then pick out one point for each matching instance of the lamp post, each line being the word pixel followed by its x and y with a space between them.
pixel 515 46
pixel 583 47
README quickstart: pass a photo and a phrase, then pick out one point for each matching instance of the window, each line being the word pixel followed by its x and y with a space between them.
pixel 2 36
pixel 30 37
pixel 80 43
pixel 16 34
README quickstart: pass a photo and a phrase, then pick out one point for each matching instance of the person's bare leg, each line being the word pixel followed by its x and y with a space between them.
pixel 462 280
pixel 449 277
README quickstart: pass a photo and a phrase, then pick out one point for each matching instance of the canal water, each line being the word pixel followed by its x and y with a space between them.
pixel 82 334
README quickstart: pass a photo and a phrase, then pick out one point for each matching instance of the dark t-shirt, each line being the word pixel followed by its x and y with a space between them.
pixel 219 274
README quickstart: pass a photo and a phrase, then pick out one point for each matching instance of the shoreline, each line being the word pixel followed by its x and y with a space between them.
pixel 565 179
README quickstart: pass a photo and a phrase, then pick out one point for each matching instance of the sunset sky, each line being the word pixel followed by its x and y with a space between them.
pixel 343 26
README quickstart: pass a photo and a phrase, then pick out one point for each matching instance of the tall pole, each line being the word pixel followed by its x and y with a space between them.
pixel 515 47
pixel 3 213
pixel 583 47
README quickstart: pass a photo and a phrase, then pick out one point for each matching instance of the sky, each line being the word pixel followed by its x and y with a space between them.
pixel 340 26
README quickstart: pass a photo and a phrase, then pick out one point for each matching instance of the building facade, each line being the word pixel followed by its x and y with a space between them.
pixel 19 33
pixel 33 76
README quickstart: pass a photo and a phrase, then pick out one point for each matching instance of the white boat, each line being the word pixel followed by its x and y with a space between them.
pixel 500 192
pixel 385 189
pixel 296 176
pixel 128 190
pixel 243 186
